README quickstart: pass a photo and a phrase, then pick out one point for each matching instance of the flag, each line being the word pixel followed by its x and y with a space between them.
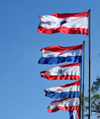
pixel 73 114
pixel 59 54
pixel 66 91
pixel 67 104
pixel 68 23
pixel 63 72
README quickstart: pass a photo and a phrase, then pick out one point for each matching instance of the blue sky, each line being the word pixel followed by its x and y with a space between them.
pixel 21 87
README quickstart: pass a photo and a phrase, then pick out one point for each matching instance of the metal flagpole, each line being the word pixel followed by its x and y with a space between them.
pixel 83 77
pixel 80 87
pixel 89 63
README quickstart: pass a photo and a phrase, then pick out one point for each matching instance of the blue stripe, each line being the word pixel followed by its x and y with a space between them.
pixel 56 60
pixel 62 95
pixel 71 115
pixel 63 22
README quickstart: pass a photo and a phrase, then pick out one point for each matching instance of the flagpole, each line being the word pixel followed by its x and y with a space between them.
pixel 80 87
pixel 83 77
pixel 89 63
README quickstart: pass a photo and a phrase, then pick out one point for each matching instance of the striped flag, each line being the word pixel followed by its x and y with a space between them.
pixel 59 54
pixel 63 72
pixel 73 114
pixel 66 91
pixel 67 104
pixel 68 23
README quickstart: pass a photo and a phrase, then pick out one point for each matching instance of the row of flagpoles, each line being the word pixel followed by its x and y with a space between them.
pixel 68 95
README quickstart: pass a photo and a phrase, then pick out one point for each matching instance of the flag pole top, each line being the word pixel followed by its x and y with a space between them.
pixel 89 10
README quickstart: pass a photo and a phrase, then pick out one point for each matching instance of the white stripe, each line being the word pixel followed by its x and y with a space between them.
pixel 73 70
pixel 65 103
pixel 75 114
pixel 55 89
pixel 71 88
pixel 48 54
pixel 48 22
pixel 80 22
pixel 63 89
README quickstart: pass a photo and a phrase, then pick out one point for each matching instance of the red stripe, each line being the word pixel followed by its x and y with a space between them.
pixel 68 108
pixel 66 65
pixel 63 29
pixel 60 100
pixel 61 49
pixel 61 77
pixel 71 84
pixel 66 15
pixel 70 65
pixel 39 15
pixel 71 108
pixel 43 72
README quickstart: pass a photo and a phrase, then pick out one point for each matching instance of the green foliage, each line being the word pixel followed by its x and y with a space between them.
pixel 95 99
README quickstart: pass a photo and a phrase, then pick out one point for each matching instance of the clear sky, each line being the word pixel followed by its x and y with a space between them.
pixel 21 87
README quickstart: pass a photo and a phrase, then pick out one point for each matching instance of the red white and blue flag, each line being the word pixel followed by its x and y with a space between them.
pixel 73 114
pixel 66 91
pixel 63 72
pixel 68 23
pixel 59 54
pixel 67 104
